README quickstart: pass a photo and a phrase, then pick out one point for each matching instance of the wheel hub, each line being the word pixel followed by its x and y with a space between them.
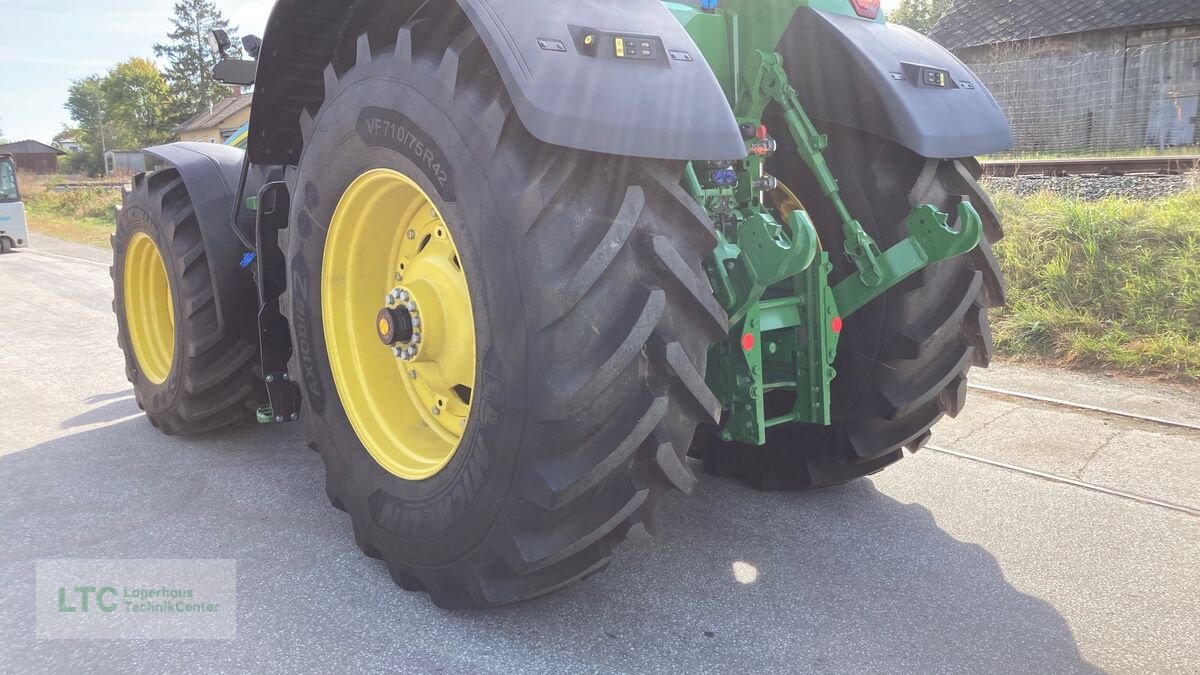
pixel 395 326
pixel 406 379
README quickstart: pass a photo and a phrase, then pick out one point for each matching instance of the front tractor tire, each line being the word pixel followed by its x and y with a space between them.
pixel 189 374
pixel 565 323
pixel 903 360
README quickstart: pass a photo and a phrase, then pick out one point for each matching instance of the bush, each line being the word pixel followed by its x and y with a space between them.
pixel 93 203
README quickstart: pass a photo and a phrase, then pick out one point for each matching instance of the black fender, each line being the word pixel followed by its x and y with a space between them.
pixel 666 106
pixel 211 174
pixel 869 76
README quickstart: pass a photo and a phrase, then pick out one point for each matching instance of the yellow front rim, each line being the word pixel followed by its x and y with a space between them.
pixel 389 260
pixel 149 311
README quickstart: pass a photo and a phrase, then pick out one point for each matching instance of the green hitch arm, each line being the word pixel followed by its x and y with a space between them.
pixel 768 257
pixel 931 240
pixel 768 80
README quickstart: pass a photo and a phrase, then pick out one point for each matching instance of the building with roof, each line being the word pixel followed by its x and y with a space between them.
pixel 1105 75
pixel 218 123
pixel 973 29
pixel 33 157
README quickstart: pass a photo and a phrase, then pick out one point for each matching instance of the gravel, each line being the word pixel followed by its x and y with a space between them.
pixel 1138 186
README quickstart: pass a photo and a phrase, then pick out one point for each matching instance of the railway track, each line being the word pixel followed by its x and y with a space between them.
pixel 1066 480
pixel 1101 166
pixel 995 391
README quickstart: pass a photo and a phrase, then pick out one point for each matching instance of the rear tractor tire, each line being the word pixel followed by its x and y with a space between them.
pixel 563 323
pixel 188 374
pixel 903 360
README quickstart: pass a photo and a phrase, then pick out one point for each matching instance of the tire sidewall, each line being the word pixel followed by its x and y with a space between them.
pixel 452 512
pixel 139 215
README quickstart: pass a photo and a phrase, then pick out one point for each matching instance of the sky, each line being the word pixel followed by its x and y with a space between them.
pixel 46 44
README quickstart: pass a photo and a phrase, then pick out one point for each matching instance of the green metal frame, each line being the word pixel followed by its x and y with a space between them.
pixel 769 269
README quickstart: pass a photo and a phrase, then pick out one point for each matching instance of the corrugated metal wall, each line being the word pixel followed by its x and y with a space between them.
pixel 1104 101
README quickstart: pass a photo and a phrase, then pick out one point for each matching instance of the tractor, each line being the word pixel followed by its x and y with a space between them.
pixel 517 266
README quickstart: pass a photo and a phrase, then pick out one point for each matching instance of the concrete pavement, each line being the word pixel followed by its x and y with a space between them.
pixel 937 565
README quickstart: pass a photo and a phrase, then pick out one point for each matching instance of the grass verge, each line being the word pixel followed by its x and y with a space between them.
pixel 84 215
pixel 1113 283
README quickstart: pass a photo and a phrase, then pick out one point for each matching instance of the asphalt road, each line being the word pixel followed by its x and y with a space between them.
pixel 939 565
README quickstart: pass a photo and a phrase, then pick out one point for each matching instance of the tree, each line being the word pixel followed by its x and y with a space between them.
pixel 139 101
pixel 127 108
pixel 190 59
pixel 920 15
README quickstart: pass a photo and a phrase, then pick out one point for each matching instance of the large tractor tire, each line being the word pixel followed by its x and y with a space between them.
pixel 902 360
pixel 564 322
pixel 189 374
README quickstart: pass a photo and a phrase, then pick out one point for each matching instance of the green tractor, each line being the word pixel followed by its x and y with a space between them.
pixel 511 262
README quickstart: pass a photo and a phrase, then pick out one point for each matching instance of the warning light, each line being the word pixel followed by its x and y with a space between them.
pixel 748 342
pixel 836 325
pixel 867 9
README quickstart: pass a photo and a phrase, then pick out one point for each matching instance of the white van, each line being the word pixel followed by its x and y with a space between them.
pixel 13 231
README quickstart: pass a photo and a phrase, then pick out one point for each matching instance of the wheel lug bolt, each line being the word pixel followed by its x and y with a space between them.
pixel 437 410
pixel 416 321
pixel 412 306
pixel 412 234
pixel 402 296
pixel 416 338
pixel 398 352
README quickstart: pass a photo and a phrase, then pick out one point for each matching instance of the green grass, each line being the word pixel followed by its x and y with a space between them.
pixel 1183 151
pixel 1112 283
pixel 85 215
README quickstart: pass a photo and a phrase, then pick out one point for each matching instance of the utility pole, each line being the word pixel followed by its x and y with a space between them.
pixel 103 140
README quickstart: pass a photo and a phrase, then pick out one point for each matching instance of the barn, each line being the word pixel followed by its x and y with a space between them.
pixel 1102 76
pixel 33 157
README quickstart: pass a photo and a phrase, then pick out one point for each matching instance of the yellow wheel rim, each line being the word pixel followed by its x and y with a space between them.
pixel 149 311
pixel 398 324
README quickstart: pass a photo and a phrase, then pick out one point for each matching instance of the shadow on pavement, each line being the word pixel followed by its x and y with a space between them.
pixel 109 412
pixel 843 580
pixel 103 398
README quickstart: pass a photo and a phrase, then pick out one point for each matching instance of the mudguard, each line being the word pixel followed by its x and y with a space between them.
pixel 662 101
pixel 665 105
pixel 871 76
pixel 211 173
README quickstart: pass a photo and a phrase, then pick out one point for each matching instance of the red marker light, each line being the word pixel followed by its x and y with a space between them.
pixel 762 132
pixel 867 9
pixel 748 342
pixel 837 325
